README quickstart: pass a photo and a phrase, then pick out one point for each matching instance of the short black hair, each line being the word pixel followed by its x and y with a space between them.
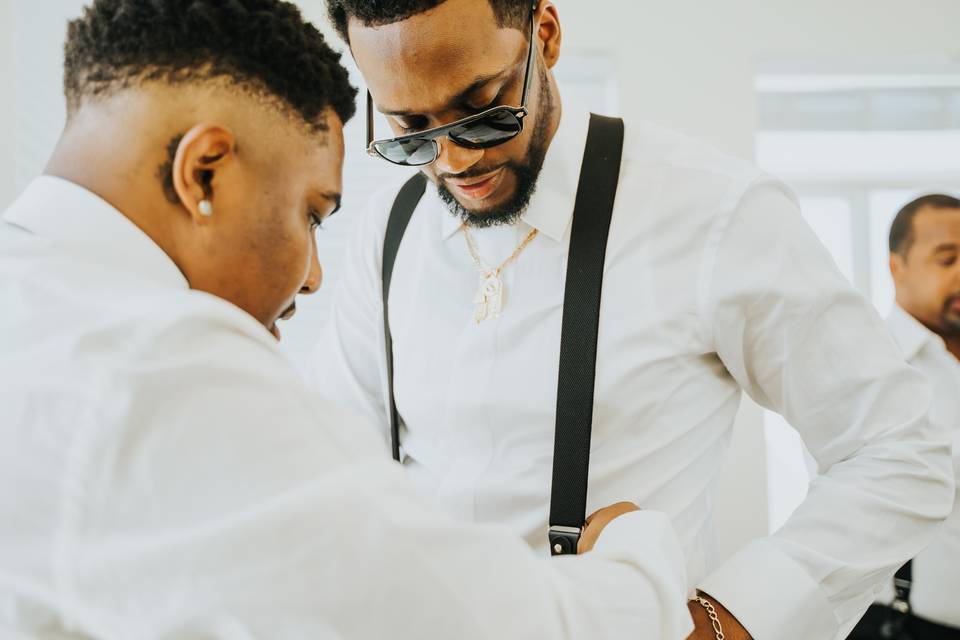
pixel 263 46
pixel 373 13
pixel 901 231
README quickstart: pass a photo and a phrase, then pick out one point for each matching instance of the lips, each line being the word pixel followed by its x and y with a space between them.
pixel 479 187
pixel 289 313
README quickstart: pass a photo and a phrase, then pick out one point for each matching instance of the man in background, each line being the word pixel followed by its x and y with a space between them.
pixel 163 472
pixel 925 265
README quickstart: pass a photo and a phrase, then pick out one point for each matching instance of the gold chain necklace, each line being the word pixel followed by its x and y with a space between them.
pixel 490 295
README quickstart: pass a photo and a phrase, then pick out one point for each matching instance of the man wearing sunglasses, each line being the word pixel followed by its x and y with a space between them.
pixel 712 285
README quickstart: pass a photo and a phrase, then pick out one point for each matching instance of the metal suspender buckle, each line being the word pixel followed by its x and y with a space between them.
pixel 563 540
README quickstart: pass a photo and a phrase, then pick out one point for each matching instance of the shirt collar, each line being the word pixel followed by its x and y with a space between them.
pixel 551 206
pixel 73 217
pixel 910 333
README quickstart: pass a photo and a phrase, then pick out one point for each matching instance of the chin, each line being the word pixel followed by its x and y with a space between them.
pixel 488 206
pixel 951 324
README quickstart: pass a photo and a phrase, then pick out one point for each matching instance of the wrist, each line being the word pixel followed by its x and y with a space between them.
pixel 713 620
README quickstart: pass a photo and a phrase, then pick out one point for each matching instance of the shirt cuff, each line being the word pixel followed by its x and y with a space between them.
pixel 639 530
pixel 771 595
pixel 647 541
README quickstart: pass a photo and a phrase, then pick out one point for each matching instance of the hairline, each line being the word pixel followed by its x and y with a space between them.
pixel 253 88
pixel 911 236
pixel 502 24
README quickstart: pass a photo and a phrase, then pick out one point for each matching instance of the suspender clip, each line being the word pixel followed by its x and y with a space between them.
pixel 563 540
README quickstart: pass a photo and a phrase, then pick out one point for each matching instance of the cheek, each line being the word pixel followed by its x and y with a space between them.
pixel 934 283
pixel 284 241
pixel 296 242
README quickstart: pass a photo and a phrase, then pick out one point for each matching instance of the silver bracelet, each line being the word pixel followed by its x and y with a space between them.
pixel 714 618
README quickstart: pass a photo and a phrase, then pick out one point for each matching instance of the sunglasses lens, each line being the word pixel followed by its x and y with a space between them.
pixel 495 129
pixel 408 152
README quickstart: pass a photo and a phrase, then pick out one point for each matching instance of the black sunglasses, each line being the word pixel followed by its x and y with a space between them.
pixel 480 131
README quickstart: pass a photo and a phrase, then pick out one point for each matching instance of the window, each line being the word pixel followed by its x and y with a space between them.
pixel 856 145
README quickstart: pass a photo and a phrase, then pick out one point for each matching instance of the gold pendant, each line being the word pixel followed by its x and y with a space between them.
pixel 489 298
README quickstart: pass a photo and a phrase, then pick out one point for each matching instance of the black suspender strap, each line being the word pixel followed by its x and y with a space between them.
pixel 599 175
pixel 400 214
pixel 593 210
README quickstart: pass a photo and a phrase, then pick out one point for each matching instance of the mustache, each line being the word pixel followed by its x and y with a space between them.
pixel 473 172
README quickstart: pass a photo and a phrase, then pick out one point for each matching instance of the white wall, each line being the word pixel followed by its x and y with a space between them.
pixel 7 106
pixel 690 63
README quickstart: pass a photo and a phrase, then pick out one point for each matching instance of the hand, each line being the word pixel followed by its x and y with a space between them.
pixel 703 627
pixel 600 519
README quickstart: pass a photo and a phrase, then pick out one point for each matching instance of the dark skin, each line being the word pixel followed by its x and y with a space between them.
pixel 427 71
pixel 927 276
pixel 269 178
pixel 407 66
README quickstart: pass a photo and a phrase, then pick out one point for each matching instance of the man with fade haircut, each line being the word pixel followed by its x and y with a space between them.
pixel 163 471
pixel 921 602
pixel 562 309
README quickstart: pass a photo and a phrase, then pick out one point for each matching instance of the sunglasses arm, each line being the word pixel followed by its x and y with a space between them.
pixel 369 119
pixel 530 56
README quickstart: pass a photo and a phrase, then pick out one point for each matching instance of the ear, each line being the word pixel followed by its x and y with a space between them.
pixel 203 151
pixel 896 267
pixel 549 33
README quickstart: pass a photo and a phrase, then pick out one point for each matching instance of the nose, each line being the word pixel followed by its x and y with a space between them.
pixel 315 274
pixel 454 159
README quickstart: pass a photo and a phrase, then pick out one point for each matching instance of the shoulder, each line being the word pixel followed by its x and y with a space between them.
pixel 691 171
pixel 208 388
pixel 197 327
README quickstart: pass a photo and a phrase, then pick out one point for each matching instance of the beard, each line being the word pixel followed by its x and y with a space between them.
pixel 526 173
pixel 950 319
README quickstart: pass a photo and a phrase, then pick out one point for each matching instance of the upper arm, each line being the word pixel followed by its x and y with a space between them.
pixel 798 338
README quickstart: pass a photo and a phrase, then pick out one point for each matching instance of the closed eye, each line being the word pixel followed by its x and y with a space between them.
pixel 413 125
pixel 490 105
pixel 469 109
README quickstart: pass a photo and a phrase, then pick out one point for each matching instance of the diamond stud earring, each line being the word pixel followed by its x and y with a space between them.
pixel 206 208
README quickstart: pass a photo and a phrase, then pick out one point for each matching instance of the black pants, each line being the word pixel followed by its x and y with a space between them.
pixel 914 628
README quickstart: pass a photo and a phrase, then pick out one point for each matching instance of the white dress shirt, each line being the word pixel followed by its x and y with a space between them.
pixel 713 284
pixel 165 474
pixel 936 570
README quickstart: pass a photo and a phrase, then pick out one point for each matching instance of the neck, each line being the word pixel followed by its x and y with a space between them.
pixel 951 340
pixel 119 174
pixel 556 110
pixel 953 345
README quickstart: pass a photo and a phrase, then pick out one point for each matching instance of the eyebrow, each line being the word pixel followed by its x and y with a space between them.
pixel 946 246
pixel 461 97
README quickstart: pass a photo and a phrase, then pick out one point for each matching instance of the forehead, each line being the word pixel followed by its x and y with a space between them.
pixel 934 226
pixel 419 63
pixel 324 158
